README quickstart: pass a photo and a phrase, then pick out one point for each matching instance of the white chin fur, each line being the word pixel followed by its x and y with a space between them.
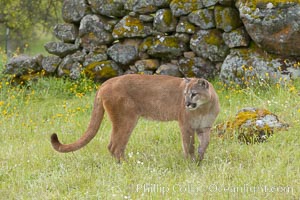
pixel 191 108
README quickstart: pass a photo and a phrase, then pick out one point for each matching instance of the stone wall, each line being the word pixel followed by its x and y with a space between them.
pixel 237 40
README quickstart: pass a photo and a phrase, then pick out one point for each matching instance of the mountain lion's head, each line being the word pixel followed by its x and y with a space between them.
pixel 196 93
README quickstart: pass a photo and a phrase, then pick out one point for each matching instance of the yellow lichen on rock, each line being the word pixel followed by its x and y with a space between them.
pixel 251 125
pixel 130 27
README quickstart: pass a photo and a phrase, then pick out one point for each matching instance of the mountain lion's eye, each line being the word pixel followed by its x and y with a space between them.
pixel 193 94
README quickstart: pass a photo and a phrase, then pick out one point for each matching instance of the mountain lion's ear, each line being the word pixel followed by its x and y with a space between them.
pixel 203 83
pixel 186 80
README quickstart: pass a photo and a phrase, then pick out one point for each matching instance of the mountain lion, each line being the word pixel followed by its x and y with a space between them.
pixel 192 102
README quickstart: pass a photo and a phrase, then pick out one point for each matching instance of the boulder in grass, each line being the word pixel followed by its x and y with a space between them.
pixel 252 125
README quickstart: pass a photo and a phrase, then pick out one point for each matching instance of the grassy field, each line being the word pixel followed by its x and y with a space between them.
pixel 155 167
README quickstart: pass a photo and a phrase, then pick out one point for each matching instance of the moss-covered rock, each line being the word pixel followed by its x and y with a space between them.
pixel 184 26
pixel 209 3
pixel 236 38
pixel 146 64
pixel 123 53
pixel 204 18
pixel 103 70
pixel 146 18
pixel 131 27
pixel 252 66
pixel 93 32
pixel 79 56
pixel 69 68
pixel 23 65
pixel 110 8
pixel 187 66
pixel 61 49
pixel 74 10
pixel 146 6
pixel 169 69
pixel 146 44
pixel 184 38
pixel 184 7
pixel 197 67
pixel 272 3
pixel 209 44
pixel 273 25
pixel 166 47
pixel 94 57
pixel 251 125
pixel 227 2
pixel 164 21
pixel 51 63
pixel 66 32
pixel 227 18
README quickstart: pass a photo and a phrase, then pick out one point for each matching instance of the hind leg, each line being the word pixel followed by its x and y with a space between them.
pixel 120 136
pixel 124 117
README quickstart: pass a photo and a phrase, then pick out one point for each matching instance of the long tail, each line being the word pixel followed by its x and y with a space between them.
pixel 96 119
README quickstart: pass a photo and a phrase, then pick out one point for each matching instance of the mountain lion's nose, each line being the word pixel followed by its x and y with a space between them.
pixel 190 105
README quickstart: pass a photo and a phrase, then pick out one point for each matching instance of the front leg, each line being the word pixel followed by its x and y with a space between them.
pixel 204 137
pixel 188 140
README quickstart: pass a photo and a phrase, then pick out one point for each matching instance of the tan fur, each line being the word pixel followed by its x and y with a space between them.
pixel 192 102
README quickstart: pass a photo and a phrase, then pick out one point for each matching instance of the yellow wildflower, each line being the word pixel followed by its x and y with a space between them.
pixel 292 89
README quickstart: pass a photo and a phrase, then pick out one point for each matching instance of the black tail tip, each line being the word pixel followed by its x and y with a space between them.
pixel 54 138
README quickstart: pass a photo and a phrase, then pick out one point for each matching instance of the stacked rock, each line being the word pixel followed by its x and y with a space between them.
pixel 191 38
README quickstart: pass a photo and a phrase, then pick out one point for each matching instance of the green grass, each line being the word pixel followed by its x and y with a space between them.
pixel 155 167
